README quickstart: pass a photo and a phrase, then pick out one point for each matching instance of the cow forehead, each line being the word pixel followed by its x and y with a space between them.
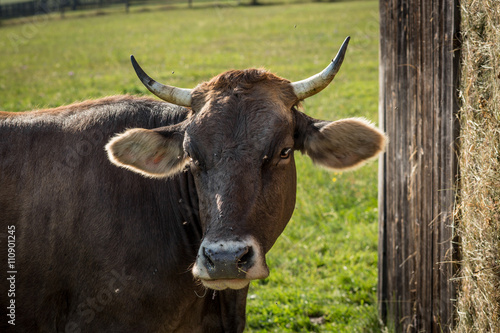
pixel 247 109
pixel 239 131
pixel 254 89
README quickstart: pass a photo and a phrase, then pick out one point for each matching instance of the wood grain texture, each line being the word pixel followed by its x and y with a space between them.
pixel 418 105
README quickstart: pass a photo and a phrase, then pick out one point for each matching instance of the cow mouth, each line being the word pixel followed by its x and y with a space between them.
pixel 223 284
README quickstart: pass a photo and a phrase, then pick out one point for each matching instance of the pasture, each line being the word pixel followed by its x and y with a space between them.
pixel 324 266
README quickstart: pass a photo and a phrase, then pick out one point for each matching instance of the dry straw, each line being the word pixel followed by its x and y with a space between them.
pixel 478 304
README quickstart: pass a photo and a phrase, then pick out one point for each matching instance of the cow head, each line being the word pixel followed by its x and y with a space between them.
pixel 239 145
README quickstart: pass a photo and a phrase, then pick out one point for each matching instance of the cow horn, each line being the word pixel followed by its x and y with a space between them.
pixel 178 96
pixel 314 84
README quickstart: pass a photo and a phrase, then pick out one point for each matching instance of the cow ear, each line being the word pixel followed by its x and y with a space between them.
pixel 153 153
pixel 341 144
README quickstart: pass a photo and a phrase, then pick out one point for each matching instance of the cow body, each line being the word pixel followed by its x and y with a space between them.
pixel 100 249
pixel 134 215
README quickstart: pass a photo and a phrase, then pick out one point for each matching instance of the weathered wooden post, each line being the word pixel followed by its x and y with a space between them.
pixel 418 104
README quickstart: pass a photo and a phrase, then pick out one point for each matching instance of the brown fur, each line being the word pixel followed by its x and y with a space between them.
pixel 83 225
pixel 100 249
pixel 250 83
pixel 78 106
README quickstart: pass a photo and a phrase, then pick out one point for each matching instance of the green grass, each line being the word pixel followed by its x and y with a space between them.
pixel 325 263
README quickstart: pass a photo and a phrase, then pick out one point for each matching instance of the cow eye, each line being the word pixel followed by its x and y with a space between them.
pixel 285 153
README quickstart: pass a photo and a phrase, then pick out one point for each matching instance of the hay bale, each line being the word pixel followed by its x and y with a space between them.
pixel 479 203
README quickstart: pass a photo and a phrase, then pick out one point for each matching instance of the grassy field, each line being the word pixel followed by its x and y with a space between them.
pixel 324 267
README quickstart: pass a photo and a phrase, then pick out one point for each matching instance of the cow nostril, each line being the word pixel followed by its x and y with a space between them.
pixel 245 260
pixel 207 254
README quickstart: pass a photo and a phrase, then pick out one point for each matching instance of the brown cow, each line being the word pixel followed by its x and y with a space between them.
pixel 102 249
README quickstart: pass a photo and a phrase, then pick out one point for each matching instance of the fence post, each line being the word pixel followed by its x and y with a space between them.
pixel 418 105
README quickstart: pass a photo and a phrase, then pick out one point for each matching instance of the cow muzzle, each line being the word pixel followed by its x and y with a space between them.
pixel 229 264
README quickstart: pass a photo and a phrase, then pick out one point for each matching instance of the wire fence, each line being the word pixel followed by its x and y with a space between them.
pixel 22 8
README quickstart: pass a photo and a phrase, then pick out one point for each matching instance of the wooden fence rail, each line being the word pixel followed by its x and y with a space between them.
pixel 19 9
pixel 41 7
